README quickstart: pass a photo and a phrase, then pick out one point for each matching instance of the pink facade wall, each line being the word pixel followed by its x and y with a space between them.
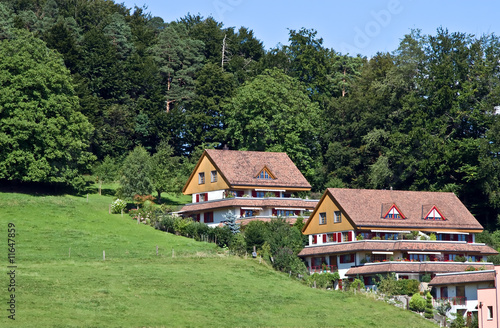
pixel 489 297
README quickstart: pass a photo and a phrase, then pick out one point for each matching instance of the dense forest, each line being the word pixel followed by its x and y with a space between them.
pixel 83 83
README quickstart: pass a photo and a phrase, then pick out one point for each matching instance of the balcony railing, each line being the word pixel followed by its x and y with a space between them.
pixel 322 268
pixel 456 300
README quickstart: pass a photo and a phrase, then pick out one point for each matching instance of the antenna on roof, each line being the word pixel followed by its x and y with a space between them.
pixel 225 147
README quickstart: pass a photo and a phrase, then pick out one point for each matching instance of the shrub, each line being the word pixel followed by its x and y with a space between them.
pixel 459 259
pixel 443 307
pixel 388 284
pixel 118 205
pixel 323 280
pixel 433 236
pixel 359 237
pixel 238 245
pixel 408 286
pixel 357 284
pixel 287 261
pixel 429 310
pixel 417 303
pixel 426 278
pixel 459 321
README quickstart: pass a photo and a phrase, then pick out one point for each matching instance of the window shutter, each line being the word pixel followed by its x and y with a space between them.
pixel 242 212
pixel 254 193
pixel 275 212
pixel 349 236
pixel 206 196
pixel 339 237
pixel 469 238
pixel 240 193
pixel 334 237
pixel 198 217
pixel 324 237
pixel 446 257
pixel 197 198
pixel 276 194
pixel 297 213
pixel 352 257
pixel 315 239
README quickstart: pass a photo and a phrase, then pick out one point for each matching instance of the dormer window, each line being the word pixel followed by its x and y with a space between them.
pixel 393 213
pixel 434 214
pixel 265 174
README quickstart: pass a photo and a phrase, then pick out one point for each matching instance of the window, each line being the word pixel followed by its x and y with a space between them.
pixel 209 217
pixel 337 217
pixel 434 214
pixel 260 194
pixel 418 257
pixel 322 218
pixel 346 258
pixel 490 312
pixel 201 178
pixel 329 238
pixel 201 197
pixel 285 212
pixel 265 174
pixel 345 236
pixel 213 176
pixel 248 213
pixel 393 213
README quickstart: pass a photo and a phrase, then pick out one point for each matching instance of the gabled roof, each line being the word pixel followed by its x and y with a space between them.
pixel 463 277
pixel 240 168
pixel 364 208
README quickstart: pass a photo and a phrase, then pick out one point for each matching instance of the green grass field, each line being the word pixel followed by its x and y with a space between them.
pixel 63 281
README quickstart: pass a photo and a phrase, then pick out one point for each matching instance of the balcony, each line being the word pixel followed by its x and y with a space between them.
pixel 457 300
pixel 322 268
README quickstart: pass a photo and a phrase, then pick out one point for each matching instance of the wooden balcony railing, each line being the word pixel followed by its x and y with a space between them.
pixel 322 268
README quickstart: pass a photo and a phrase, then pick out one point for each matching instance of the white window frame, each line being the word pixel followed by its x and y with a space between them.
pixel 201 178
pixel 322 218
pixel 337 216
pixel 213 176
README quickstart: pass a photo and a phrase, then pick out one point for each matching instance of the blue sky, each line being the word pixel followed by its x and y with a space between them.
pixel 353 27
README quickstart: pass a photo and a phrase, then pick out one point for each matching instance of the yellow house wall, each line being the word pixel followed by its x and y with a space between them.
pixel 207 167
pixel 327 206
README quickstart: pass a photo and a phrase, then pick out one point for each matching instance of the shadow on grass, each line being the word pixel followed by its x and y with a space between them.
pixel 35 188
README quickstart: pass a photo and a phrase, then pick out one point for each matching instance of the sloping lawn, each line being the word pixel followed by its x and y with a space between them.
pixel 63 281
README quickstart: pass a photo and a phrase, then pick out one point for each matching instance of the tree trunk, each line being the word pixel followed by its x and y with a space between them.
pixel 159 196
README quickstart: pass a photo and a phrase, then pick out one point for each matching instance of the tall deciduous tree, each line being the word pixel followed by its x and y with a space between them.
pixel 274 113
pixel 165 170
pixel 43 136
pixel 135 174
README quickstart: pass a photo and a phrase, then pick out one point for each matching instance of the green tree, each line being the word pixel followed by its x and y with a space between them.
pixel 43 136
pixel 135 174
pixel 106 171
pixel 273 113
pixel 165 173
pixel 179 59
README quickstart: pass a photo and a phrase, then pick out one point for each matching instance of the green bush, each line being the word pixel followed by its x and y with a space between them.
pixel 426 278
pixel 408 286
pixel 118 205
pixel 323 280
pixel 357 284
pixel 429 310
pixel 238 245
pixel 417 303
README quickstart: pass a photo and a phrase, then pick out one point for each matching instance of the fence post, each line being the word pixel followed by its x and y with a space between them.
pixel 104 255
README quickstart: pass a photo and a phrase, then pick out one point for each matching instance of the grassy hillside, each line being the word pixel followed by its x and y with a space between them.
pixel 63 281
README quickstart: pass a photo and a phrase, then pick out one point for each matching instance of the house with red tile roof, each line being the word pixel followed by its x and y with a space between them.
pixel 250 184
pixel 363 233
pixel 469 293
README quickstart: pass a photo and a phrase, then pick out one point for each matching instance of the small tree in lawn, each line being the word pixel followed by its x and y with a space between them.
pixel 230 222
pixel 106 171
pixel 165 175
pixel 429 310
pixel 135 174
